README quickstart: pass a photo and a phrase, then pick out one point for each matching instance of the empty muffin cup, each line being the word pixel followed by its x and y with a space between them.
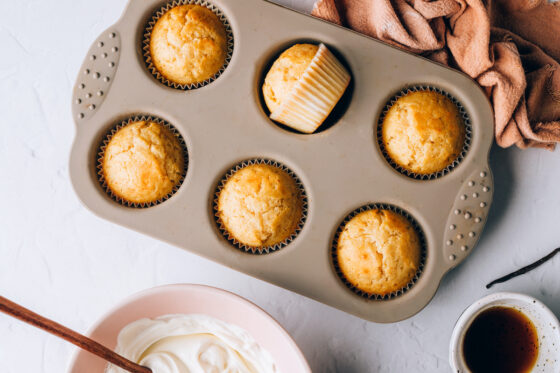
pixel 379 251
pixel 260 206
pixel 424 132
pixel 187 44
pixel 142 161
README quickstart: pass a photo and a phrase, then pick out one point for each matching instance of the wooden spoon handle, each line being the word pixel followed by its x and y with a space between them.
pixel 71 336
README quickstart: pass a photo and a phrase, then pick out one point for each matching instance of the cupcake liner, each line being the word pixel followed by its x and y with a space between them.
pixel 423 251
pixel 148 33
pixel 263 249
pixel 101 154
pixel 466 145
pixel 315 94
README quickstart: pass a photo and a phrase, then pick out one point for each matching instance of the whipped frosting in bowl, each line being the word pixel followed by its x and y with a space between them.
pixel 192 300
pixel 182 343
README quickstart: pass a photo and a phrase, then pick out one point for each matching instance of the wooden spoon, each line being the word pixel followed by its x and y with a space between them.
pixel 69 335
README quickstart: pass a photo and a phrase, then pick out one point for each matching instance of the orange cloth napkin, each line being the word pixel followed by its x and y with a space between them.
pixel 510 47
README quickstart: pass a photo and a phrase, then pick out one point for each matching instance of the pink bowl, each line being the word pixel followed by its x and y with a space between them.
pixel 188 298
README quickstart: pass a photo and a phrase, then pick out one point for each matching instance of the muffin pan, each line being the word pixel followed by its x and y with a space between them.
pixel 341 168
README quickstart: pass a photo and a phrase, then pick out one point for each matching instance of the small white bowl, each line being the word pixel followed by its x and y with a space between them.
pixel 199 299
pixel 546 324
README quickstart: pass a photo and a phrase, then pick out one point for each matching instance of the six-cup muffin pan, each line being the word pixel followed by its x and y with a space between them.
pixel 341 167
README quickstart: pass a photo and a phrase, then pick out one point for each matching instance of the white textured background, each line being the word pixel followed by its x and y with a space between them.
pixel 60 260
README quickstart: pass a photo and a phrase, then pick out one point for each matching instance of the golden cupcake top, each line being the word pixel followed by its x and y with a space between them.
pixel 188 44
pixel 378 251
pixel 423 132
pixel 285 72
pixel 260 205
pixel 143 162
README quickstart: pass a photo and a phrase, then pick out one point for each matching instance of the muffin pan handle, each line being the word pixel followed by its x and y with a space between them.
pixel 96 75
pixel 467 217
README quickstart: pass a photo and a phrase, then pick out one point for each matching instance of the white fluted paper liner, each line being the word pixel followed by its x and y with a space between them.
pixel 315 94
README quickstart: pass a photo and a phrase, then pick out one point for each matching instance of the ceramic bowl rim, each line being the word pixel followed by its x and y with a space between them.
pixel 146 293
pixel 471 312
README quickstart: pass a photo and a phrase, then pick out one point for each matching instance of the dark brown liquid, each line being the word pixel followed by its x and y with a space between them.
pixel 501 339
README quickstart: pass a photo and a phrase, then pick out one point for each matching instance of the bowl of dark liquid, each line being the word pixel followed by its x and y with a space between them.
pixel 506 333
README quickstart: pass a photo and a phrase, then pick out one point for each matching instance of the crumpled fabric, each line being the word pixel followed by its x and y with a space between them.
pixel 510 47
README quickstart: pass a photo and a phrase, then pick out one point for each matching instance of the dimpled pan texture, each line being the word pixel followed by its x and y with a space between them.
pixel 341 168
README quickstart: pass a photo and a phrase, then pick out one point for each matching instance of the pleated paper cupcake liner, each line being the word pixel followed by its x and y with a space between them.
pixel 466 144
pixel 101 153
pixel 148 34
pixel 423 251
pixel 259 250
pixel 316 93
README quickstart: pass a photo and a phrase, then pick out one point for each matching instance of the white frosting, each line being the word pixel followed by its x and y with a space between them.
pixel 191 344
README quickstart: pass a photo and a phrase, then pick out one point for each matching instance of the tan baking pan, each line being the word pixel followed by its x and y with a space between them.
pixel 341 168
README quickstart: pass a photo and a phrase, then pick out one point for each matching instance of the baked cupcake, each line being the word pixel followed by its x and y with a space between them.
pixel 143 162
pixel 303 86
pixel 188 44
pixel 260 206
pixel 423 132
pixel 378 252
